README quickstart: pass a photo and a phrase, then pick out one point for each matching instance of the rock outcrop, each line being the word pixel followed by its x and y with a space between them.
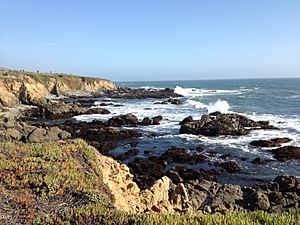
pixel 216 124
pixel 12 130
pixel 32 88
pixel 207 196
pixel 275 142
pixel 128 196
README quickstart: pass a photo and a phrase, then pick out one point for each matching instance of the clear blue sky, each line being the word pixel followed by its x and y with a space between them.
pixel 153 39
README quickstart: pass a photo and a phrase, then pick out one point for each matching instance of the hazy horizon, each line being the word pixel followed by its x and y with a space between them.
pixel 153 40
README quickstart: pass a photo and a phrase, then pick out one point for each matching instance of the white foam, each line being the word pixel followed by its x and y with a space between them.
pixel 220 105
pixel 188 92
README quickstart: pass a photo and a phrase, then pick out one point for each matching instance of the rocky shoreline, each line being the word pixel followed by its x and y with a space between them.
pixel 149 184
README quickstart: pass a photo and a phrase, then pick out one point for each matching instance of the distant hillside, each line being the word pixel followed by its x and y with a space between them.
pixel 29 87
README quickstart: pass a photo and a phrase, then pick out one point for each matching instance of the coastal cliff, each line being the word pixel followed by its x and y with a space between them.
pixel 28 88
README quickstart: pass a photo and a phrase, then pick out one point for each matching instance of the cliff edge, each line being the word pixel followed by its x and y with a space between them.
pixel 29 88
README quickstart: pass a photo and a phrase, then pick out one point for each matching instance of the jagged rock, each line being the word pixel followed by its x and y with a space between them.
pixel 230 166
pixel 229 197
pixel 146 171
pixel 174 176
pixel 129 197
pixel 97 111
pixel 180 155
pixel 146 122
pixel 287 183
pixel 286 153
pixel 156 120
pixel 51 134
pixel 258 200
pixel 276 142
pixel 97 134
pixel 56 91
pixel 138 93
pixel 186 120
pixel 223 124
pixel 126 155
pixel 173 101
pixel 123 120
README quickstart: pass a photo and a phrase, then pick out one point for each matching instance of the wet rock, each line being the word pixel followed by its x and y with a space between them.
pixel 286 153
pixel 139 93
pixel 156 120
pixel 97 134
pixel 287 183
pixel 180 155
pixel 123 120
pixel 188 174
pixel 230 166
pixel 186 120
pixel 260 161
pixel 146 122
pixel 173 101
pixel 133 144
pixel 223 124
pixel 126 155
pixel 276 142
pixel 153 121
pixel 146 171
pixel 98 111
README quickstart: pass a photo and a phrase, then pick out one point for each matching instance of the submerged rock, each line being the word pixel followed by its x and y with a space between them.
pixel 276 142
pixel 286 153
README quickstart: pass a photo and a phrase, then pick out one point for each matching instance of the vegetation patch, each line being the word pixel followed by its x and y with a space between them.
pixel 61 183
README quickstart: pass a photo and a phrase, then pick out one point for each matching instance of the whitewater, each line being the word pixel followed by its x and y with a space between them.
pixel 275 100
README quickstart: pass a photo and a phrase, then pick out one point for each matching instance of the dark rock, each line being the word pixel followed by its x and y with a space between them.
pixel 174 176
pixel 223 124
pixel 227 198
pixel 60 110
pixel 156 120
pixel 133 144
pixel 226 156
pixel 146 122
pixel 146 171
pixel 257 161
pixel 186 120
pixel 126 155
pixel 257 200
pixel 123 120
pixel 56 91
pixel 287 183
pixel 173 101
pixel 180 155
pixel 230 166
pixel 97 134
pixel 286 153
pixel 276 142
pixel 98 111
pixel 138 93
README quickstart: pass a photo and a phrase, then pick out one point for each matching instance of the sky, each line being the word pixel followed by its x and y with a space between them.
pixel 153 39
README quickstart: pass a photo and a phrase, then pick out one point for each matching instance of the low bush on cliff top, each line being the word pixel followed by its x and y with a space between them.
pixel 60 183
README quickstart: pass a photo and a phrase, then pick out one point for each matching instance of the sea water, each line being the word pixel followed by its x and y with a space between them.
pixel 275 100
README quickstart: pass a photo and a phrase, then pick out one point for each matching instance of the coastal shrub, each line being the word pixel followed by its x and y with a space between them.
pixel 61 183
pixel 49 168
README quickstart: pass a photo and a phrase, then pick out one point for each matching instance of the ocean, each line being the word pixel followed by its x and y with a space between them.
pixel 275 100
